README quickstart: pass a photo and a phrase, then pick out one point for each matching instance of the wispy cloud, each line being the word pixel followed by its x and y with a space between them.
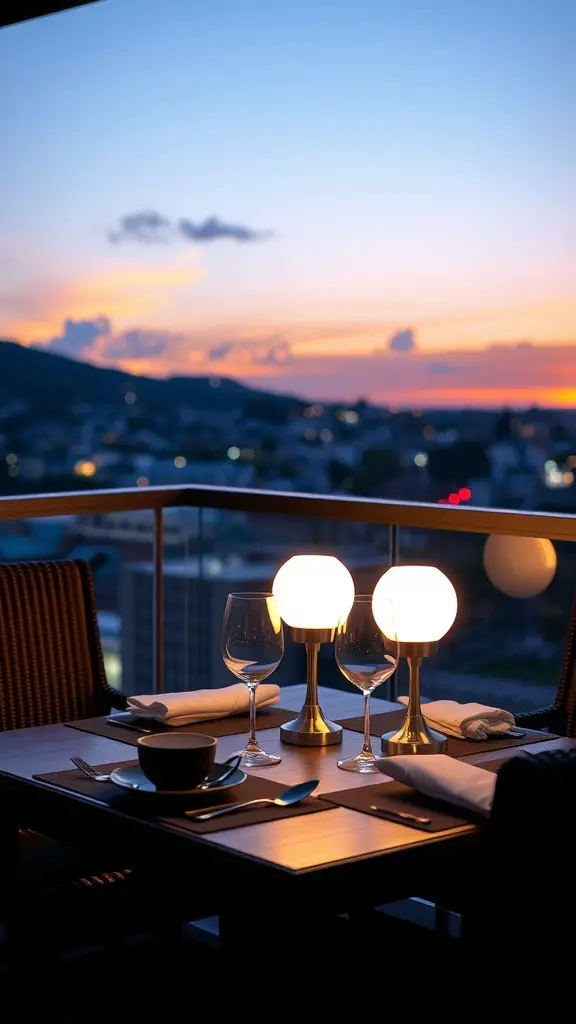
pixel 218 353
pixel 213 228
pixel 150 227
pixel 79 336
pixel 402 341
pixel 95 340
pixel 137 344
pixel 145 227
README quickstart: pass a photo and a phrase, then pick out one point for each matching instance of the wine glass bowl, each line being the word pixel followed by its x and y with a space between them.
pixel 362 659
pixel 252 648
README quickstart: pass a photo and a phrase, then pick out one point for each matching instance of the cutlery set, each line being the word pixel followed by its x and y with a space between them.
pixel 289 798
pixel 96 776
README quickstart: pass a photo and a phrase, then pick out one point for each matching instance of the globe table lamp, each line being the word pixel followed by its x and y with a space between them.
pixel 414 606
pixel 314 594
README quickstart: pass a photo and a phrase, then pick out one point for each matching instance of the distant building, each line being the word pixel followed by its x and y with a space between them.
pixel 195 593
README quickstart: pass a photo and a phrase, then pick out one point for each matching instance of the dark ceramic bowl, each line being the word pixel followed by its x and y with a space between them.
pixel 173 761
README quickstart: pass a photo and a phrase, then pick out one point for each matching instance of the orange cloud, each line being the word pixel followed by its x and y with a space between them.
pixel 123 293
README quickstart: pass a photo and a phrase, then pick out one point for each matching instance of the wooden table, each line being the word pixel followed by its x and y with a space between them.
pixel 340 858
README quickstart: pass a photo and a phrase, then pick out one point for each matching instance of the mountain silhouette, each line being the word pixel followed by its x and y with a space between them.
pixel 45 378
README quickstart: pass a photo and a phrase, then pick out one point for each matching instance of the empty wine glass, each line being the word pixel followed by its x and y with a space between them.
pixel 252 648
pixel 362 659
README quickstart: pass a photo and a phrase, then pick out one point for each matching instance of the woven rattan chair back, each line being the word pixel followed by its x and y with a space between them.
pixel 51 663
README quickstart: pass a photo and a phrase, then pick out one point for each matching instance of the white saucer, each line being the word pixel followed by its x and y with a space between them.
pixel 132 777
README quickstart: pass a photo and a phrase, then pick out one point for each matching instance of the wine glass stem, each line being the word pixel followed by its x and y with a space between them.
pixel 367 745
pixel 252 744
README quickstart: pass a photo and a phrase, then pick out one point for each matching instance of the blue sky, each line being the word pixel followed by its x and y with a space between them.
pixel 414 161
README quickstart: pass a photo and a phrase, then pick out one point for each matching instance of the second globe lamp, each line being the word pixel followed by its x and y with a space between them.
pixel 414 606
pixel 314 594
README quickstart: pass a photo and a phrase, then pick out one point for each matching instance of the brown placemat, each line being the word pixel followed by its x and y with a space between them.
pixel 390 720
pixel 266 718
pixel 394 797
pixel 147 807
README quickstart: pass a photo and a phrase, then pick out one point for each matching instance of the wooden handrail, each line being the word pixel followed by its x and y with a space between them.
pixel 416 515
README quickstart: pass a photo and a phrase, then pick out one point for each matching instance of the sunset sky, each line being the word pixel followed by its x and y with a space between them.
pixel 339 198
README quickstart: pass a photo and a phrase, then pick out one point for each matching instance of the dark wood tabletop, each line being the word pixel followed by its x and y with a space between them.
pixel 343 852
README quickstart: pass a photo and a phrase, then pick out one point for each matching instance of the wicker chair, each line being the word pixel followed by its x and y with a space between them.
pixel 559 717
pixel 51 664
pixel 52 671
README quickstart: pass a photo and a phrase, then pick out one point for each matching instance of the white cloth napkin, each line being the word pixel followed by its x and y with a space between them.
pixel 465 721
pixel 444 778
pixel 201 705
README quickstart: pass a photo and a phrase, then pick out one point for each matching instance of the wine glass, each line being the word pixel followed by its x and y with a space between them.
pixel 252 648
pixel 362 659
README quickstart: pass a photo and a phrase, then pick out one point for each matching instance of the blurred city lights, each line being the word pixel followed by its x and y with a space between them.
pixel 453 499
pixel 421 459
pixel 84 468
pixel 348 416
pixel 233 453
pixel 326 435
pixel 130 397
pixel 180 461
pixel 142 481
pixel 12 459
pixel 13 471
pixel 464 494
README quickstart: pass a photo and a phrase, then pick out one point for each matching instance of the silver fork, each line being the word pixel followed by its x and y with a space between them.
pixel 89 770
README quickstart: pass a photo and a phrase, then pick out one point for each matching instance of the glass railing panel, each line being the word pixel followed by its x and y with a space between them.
pixel 243 551
pixel 119 547
pixel 515 599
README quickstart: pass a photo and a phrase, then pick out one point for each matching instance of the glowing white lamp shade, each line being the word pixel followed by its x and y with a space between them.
pixel 414 604
pixel 313 592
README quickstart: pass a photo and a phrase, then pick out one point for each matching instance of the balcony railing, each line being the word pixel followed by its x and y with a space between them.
pixel 388 514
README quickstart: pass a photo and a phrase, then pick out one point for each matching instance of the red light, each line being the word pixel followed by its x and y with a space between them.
pixel 453 499
pixel 442 501
pixel 465 494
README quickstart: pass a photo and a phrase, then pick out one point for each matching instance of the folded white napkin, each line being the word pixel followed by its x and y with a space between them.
pixel 444 778
pixel 201 705
pixel 465 721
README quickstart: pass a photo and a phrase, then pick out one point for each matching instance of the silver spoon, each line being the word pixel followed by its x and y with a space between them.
pixel 232 763
pixel 286 799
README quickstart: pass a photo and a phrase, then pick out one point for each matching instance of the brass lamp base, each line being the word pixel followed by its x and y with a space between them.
pixel 414 737
pixel 311 729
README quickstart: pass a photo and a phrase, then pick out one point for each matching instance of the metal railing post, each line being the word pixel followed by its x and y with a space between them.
pixel 393 559
pixel 158 601
pixel 394 545
pixel 200 613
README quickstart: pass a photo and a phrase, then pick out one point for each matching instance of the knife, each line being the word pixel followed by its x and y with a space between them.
pixel 401 817
pixel 128 725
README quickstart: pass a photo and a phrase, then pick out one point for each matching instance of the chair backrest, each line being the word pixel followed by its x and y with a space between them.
pixel 51 663
pixel 565 703
pixel 523 897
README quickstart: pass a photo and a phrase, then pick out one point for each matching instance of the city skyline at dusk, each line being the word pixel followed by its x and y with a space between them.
pixel 334 199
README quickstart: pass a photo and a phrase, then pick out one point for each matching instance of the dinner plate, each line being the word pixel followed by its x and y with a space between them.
pixel 132 777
